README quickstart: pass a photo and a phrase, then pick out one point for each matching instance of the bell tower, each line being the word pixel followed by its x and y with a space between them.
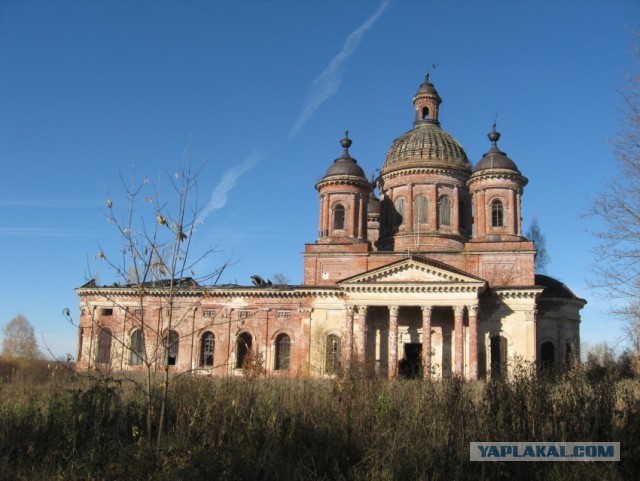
pixel 344 195
pixel 426 103
pixel 496 187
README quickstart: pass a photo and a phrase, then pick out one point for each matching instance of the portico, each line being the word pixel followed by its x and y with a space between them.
pixel 415 315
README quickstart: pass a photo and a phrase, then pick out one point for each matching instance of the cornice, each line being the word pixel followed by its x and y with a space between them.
pixel 345 180
pixel 209 292
pixel 518 292
pixel 436 287
pixel 498 174
pixel 458 174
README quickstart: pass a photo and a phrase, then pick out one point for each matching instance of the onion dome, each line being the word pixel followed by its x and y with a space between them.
pixel 345 164
pixel 495 158
pixel 427 144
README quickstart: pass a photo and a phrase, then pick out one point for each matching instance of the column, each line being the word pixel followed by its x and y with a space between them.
pixel 323 217
pixel 362 334
pixel 562 346
pixel 355 222
pixel 364 200
pixel 473 341
pixel 408 211
pixel 393 342
pixel 482 213
pixel 518 214
pixel 434 220
pixel 347 347
pixel 459 315
pixel 426 341
pixel 455 210
pixel 531 333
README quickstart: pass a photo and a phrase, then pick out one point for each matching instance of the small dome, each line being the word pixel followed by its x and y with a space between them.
pixel 345 164
pixel 553 287
pixel 495 158
pixel 426 145
pixel 427 87
pixel 373 207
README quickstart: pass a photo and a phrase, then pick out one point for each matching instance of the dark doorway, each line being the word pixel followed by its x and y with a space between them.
pixel 411 365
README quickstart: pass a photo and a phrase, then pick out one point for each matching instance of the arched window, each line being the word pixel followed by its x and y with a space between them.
pixel 497 213
pixel 425 113
pixel 283 352
pixel 172 344
pixel 444 211
pixel 136 347
pixel 207 345
pixel 498 356
pixel 243 349
pixel 399 212
pixel 421 210
pixel 547 356
pixel 338 217
pixel 103 355
pixel 333 357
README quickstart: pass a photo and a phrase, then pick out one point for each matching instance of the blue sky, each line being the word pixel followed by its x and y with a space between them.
pixel 263 91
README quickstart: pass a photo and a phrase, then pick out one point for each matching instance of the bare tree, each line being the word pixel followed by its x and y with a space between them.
pixel 154 263
pixel 19 340
pixel 540 242
pixel 617 255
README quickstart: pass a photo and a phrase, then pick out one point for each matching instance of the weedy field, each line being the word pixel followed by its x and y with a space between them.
pixel 55 424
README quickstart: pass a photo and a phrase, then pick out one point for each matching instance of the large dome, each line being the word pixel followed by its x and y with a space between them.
pixel 426 145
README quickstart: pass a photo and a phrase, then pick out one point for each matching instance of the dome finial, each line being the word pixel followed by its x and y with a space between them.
pixel 346 141
pixel 494 135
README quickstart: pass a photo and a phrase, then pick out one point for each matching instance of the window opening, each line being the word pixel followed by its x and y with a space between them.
pixel 283 351
pixel 207 346
pixel 498 356
pixel 137 348
pixel 497 214
pixel 399 213
pixel 243 348
pixel 445 211
pixel 333 355
pixel 422 215
pixel 338 217
pixel 105 337
pixel 547 356
pixel 172 344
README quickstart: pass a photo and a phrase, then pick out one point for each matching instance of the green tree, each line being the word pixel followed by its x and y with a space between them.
pixel 20 340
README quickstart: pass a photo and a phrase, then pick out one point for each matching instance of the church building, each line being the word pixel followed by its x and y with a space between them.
pixel 422 272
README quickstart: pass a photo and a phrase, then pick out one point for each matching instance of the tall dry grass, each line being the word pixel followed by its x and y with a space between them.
pixel 83 428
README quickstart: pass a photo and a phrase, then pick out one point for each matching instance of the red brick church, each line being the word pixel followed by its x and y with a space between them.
pixel 430 277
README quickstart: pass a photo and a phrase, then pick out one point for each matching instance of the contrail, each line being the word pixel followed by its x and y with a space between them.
pixel 326 84
pixel 219 197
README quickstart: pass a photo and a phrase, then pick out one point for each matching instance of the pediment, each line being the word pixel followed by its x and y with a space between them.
pixel 413 270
